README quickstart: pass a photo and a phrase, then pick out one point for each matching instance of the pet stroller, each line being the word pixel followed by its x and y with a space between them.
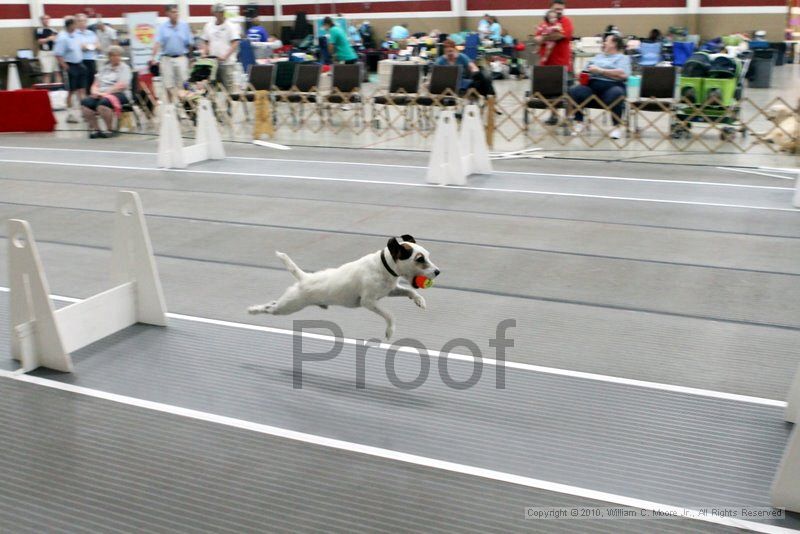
pixel 710 89
pixel 200 84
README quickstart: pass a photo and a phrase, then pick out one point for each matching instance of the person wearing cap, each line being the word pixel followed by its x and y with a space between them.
pixel 173 40
pixel 221 41
pixel 106 35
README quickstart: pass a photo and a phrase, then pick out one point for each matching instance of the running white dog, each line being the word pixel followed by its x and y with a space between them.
pixel 359 283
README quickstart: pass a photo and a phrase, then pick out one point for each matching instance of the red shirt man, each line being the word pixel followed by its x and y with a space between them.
pixel 562 52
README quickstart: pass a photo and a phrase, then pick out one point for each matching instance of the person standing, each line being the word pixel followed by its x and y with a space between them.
pixel 483 26
pixel 106 36
pixel 89 45
pixel 256 33
pixel 561 53
pixel 46 39
pixel 173 40
pixel 338 43
pixel 221 41
pixel 399 32
pixel 69 52
pixel 495 30
pixel 258 37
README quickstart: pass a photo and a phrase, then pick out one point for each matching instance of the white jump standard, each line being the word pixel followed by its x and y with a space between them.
pixel 208 144
pixel 454 156
pixel 42 336
pixel 786 484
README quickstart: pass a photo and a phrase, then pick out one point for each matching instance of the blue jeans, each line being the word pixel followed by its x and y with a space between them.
pixel 608 92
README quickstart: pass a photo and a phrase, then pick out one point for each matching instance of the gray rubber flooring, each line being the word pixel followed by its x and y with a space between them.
pixel 676 292
pixel 676 449
pixel 133 470
pixel 765 197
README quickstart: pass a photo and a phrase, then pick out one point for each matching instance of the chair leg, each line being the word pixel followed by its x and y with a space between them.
pixel 361 114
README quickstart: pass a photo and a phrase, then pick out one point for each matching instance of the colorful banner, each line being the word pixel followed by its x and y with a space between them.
pixel 142 32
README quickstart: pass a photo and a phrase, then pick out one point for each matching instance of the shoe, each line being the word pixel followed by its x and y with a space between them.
pixel 72 119
pixel 104 135
pixel 577 128
pixel 94 135
pixel 616 133
pixel 345 108
pixel 552 121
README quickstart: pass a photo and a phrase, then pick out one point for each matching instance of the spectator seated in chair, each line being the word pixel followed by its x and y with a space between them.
pixel 110 91
pixel 471 75
pixel 607 73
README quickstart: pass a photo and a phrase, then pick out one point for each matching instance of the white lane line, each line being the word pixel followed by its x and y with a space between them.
pixel 748 171
pixel 468 358
pixel 518 173
pixel 397 456
pixel 410 184
pixel 780 169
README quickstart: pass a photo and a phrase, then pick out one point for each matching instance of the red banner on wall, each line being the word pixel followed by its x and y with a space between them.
pixel 14 11
pixel 59 11
pixel 400 6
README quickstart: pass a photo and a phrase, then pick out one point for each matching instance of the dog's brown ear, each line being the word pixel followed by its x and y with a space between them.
pixel 398 251
pixel 409 238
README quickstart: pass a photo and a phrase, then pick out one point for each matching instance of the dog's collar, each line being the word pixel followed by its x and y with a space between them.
pixel 386 265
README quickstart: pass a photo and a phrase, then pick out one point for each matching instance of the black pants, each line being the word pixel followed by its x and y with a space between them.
pixel 76 76
pixel 91 70
pixel 92 103
pixel 482 83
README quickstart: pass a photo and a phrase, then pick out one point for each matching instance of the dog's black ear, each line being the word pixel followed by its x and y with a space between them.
pixel 398 251
pixel 394 247
pixel 409 238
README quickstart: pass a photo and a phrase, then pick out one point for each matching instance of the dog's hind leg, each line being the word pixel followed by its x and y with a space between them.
pixel 291 266
pixel 291 301
pixel 373 307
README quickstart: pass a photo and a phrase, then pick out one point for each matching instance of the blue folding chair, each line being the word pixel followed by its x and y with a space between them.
pixel 471 44
pixel 681 51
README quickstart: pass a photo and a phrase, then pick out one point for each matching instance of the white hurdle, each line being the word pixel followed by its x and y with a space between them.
pixel 786 485
pixel 42 336
pixel 796 200
pixel 208 143
pixel 473 142
pixel 12 79
pixel 446 164
pixel 454 156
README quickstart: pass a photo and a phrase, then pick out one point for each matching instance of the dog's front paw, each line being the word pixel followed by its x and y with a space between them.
pixel 419 301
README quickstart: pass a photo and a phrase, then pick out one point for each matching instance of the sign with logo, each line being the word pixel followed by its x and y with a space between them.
pixel 142 32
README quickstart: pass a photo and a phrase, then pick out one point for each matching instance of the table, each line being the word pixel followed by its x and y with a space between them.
pixel 26 110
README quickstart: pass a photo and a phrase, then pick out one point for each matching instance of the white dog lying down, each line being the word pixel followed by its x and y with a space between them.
pixel 784 133
pixel 359 283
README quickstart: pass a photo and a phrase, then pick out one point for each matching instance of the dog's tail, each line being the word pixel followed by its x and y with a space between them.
pixel 291 266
